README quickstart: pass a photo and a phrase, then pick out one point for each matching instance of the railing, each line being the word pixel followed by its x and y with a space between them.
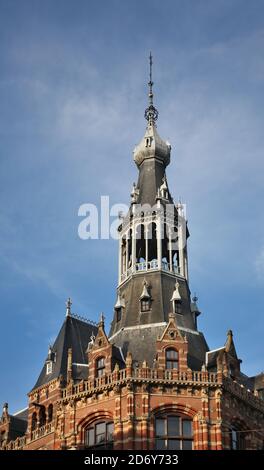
pixel 243 393
pixel 42 431
pixel 150 266
pixel 122 375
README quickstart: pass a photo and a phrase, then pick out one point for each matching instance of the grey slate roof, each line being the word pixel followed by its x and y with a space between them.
pixel 75 334
pixel 18 424
pixel 141 342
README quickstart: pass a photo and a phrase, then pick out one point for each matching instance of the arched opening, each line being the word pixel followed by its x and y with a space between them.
pixel 237 439
pixel 42 416
pixel 165 246
pixel 34 421
pixel 99 435
pixel 100 366
pixel 140 247
pixel 50 413
pixel 172 358
pixel 152 245
pixel 173 432
pixel 129 249
pixel 123 254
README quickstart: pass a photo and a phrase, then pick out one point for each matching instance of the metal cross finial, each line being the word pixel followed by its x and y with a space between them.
pixel 151 113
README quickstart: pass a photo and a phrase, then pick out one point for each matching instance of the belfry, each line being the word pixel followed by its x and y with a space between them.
pixel 153 256
pixel 153 382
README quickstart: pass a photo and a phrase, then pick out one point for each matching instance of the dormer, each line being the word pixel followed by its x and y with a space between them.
pixel 172 348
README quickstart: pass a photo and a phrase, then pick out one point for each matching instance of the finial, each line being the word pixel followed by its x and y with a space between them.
pixel 68 307
pixel 151 113
pixel 92 338
pixel 5 408
pixel 50 352
pixel 102 318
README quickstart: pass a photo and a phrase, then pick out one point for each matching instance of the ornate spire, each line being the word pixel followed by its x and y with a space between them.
pixel 151 113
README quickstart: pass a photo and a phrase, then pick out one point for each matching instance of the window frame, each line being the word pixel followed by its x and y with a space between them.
pixel 167 438
pixel 118 313
pixel 100 369
pixel 237 439
pixel 170 361
pixel 177 307
pixel 49 367
pixel 145 305
pixel 107 442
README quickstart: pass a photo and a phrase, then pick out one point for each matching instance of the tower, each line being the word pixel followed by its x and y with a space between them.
pixel 153 262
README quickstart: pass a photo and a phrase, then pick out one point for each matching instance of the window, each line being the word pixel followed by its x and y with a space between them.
pixel 172 359
pixel 42 416
pixel 261 393
pixel 34 421
pixel 145 305
pixel 118 313
pixel 100 435
pixel 237 439
pixel 50 413
pixel 100 367
pixel 49 367
pixel 173 433
pixel 177 306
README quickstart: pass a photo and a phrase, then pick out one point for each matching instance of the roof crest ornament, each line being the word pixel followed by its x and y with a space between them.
pixel 151 113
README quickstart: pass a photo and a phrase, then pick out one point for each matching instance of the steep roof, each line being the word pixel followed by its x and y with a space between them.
pixel 75 333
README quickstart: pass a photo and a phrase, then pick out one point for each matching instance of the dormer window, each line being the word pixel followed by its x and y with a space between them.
pixel 177 306
pixel 100 367
pixel 118 313
pixel 49 367
pixel 145 305
pixel 145 298
pixel 119 306
pixel 172 359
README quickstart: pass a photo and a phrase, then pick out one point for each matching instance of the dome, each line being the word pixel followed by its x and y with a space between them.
pixel 152 146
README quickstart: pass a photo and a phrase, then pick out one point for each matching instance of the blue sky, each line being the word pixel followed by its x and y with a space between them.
pixel 72 97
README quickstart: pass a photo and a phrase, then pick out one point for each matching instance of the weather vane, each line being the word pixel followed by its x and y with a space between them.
pixel 151 113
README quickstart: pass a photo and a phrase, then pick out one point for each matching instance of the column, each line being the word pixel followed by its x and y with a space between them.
pixel 133 247
pixel 146 245
pixel 159 245
pixel 170 251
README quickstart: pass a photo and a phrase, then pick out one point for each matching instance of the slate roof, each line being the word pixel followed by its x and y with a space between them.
pixel 18 424
pixel 141 342
pixel 75 334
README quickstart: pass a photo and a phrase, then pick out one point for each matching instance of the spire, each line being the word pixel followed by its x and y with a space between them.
pixel 151 113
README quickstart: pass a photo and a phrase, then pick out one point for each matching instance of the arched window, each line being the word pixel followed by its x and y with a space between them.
pixel 100 367
pixel 100 435
pixel 42 416
pixel 34 421
pixel 172 359
pixel 237 439
pixel 50 413
pixel 173 433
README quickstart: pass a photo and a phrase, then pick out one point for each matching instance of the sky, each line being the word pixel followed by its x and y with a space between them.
pixel 73 90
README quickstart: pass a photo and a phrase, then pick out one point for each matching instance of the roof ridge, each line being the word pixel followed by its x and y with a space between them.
pixel 83 319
